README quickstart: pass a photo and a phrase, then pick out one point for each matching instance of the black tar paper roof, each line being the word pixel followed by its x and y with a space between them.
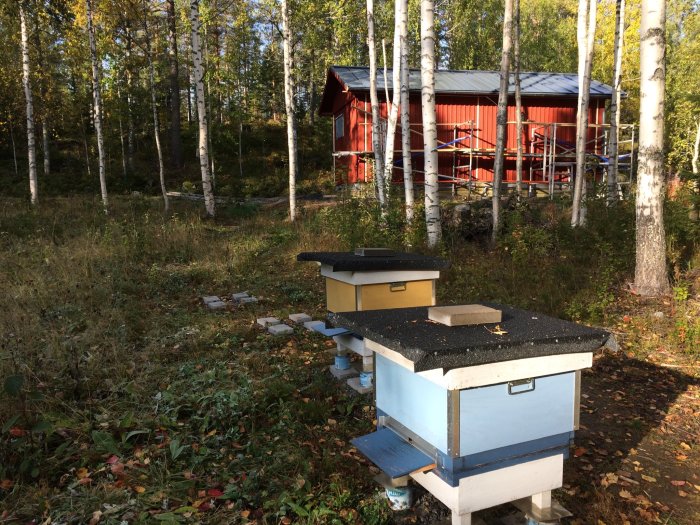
pixel 430 345
pixel 348 261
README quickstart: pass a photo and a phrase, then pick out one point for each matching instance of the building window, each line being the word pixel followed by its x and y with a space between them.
pixel 339 126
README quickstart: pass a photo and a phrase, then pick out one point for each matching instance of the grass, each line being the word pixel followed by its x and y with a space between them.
pixel 124 397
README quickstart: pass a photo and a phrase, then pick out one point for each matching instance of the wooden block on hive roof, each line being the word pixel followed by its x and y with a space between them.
pixel 464 314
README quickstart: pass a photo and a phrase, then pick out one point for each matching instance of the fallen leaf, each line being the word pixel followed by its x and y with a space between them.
pixel 685 445
pixel 245 513
pixel 215 493
pixel 6 484
pixel 112 459
pixel 139 489
pixel 624 494
pixel 650 479
pixel 17 432
pixel 580 451
pixel 677 482
pixel 82 473
pixel 96 516
pixel 681 457
pixel 682 493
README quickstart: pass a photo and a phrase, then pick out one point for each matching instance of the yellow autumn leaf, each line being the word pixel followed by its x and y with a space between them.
pixel 650 479
pixel 139 489
pixel 624 494
pixel 82 473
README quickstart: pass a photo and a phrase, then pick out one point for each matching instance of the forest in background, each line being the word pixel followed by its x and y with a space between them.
pixel 242 56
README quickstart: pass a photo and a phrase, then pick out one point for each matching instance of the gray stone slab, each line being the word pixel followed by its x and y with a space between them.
pixel 354 383
pixel 299 318
pixel 280 329
pixel 313 325
pixel 268 321
pixel 343 374
pixel 216 305
pixel 247 300
pixel 236 297
pixel 210 299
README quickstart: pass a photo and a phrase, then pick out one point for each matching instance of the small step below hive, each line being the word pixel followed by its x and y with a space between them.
pixel 464 315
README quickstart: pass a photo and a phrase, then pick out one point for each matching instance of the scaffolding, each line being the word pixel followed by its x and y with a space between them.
pixel 549 159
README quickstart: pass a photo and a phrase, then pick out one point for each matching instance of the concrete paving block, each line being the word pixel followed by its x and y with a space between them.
pixel 247 300
pixel 280 329
pixel 354 383
pixel 299 318
pixel 216 305
pixel 236 297
pixel 343 374
pixel 210 299
pixel 268 321
pixel 314 325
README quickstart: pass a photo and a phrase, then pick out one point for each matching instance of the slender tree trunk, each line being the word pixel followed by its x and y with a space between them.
pixel 502 118
pixel 175 131
pixel 406 116
pixel 97 106
pixel 427 70
pixel 201 109
pixel 374 101
pixel 613 153
pixel 394 110
pixel 43 95
pixel 585 36
pixel 154 108
pixel 518 104
pixel 651 274
pixel 290 109
pixel 189 95
pixel 14 146
pixel 29 100
pixel 696 172
pixel 131 134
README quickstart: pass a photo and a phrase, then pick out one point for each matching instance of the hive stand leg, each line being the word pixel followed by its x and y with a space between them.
pixel 543 500
pixel 461 519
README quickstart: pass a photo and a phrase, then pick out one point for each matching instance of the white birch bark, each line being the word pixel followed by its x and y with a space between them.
pixel 154 109
pixel 97 107
pixel 395 102
pixel 427 72
pixel 518 103
pixel 651 274
pixel 502 118
pixel 406 116
pixel 290 109
pixel 696 173
pixel 585 37
pixel 374 99
pixel 29 101
pixel 198 72
pixel 613 141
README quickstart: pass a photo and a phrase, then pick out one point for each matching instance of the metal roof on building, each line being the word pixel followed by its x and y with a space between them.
pixel 475 82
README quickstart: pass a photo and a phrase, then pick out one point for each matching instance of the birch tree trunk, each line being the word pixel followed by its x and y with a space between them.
pixel 651 274
pixel 518 103
pixel 585 36
pixel 427 73
pixel 395 102
pixel 502 118
pixel 29 100
pixel 154 109
pixel 201 109
pixel 97 106
pixel 406 116
pixel 175 128
pixel 613 153
pixel 290 109
pixel 130 133
pixel 374 101
pixel 696 174
pixel 43 95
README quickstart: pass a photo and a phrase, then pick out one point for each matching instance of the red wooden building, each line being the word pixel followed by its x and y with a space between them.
pixel 466 103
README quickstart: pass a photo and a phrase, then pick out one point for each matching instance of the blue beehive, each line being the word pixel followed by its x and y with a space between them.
pixel 479 415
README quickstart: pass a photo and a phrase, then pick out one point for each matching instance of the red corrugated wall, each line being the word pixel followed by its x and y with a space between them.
pixel 457 116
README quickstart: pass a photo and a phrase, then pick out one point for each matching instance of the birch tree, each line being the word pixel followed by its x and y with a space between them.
pixel 585 33
pixel 29 104
pixel 518 102
pixel 154 109
pixel 651 274
pixel 395 102
pixel 198 71
pixel 97 106
pixel 374 101
pixel 613 141
pixel 175 128
pixel 427 74
pixel 289 107
pixel 696 171
pixel 406 115
pixel 502 117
